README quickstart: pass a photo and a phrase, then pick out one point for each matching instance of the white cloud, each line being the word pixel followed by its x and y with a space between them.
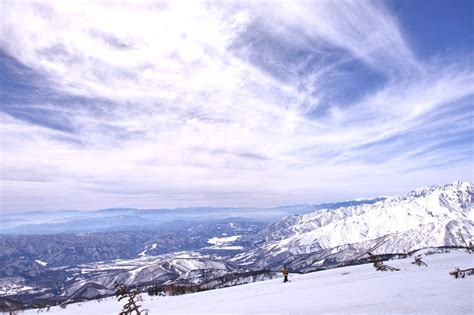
pixel 180 114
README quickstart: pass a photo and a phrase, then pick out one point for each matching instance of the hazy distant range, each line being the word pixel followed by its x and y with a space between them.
pixel 46 222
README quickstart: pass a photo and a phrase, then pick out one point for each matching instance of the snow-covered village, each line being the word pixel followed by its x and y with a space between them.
pixel 236 157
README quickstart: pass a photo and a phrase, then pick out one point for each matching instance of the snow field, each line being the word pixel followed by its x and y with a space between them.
pixel 349 290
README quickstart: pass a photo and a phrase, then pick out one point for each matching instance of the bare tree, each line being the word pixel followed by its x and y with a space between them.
pixel 419 262
pixel 469 247
pixel 379 265
pixel 133 298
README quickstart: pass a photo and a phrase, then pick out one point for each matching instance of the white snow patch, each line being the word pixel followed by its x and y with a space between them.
pixel 224 243
pixel 143 253
pixel 231 247
pixel 40 262
pixel 223 240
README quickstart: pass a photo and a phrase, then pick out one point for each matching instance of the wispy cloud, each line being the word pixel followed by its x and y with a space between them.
pixel 159 104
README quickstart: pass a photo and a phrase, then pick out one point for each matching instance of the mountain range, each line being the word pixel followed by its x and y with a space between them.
pixel 427 217
pixel 84 265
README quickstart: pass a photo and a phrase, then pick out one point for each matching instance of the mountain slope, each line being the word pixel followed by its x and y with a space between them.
pixel 355 289
pixel 156 270
pixel 85 266
pixel 429 216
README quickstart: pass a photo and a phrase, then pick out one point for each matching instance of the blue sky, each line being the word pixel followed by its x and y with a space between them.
pixel 265 103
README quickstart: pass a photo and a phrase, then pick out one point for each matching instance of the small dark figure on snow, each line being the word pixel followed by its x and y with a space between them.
pixel 285 273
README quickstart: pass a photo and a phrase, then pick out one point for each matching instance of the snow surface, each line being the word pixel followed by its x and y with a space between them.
pixel 141 270
pixel 40 262
pixel 232 247
pixel 355 289
pixel 143 253
pixel 223 243
pixel 223 240
pixel 12 289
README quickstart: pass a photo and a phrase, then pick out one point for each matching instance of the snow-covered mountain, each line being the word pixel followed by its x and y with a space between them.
pixel 72 267
pixel 429 216
pixel 96 279
pixel 348 290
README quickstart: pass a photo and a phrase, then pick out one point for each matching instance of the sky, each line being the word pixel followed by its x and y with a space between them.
pixel 231 103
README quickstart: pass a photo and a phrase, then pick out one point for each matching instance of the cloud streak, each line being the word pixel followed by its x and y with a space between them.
pixel 223 104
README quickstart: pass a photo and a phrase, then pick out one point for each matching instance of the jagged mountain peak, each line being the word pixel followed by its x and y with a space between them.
pixel 457 196
pixel 428 216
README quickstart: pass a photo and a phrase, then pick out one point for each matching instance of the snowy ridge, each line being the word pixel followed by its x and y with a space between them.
pixel 429 216
pixel 158 269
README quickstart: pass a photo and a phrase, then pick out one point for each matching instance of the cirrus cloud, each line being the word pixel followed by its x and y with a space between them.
pixel 163 104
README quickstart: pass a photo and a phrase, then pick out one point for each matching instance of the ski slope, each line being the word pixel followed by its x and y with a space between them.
pixel 355 289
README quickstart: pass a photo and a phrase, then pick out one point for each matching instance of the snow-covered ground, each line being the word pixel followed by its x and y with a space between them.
pixel 223 240
pixel 223 243
pixel 143 253
pixel 9 288
pixel 355 289
pixel 40 262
